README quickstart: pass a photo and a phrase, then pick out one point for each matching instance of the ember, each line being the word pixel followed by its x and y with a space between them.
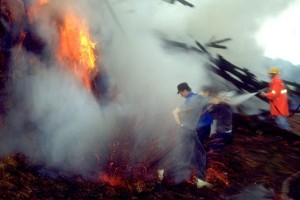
pixel 111 180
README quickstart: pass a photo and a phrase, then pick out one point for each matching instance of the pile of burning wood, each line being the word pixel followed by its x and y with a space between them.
pixel 70 46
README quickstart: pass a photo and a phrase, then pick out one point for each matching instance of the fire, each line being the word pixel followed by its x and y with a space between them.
pixel 75 50
pixel 111 180
pixel 215 176
pixel 42 2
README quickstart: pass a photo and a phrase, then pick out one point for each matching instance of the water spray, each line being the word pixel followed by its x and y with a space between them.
pixel 233 99
pixel 238 99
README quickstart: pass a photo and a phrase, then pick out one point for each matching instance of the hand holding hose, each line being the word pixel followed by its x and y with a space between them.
pixel 262 94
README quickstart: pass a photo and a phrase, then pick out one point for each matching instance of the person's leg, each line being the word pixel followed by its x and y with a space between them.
pixel 227 137
pixel 282 123
pixel 199 159
pixel 203 133
pixel 182 164
pixel 216 142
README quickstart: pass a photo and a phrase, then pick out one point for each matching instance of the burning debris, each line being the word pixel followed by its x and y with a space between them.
pixel 76 49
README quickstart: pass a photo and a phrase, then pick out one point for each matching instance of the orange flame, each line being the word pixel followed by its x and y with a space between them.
pixel 76 50
pixel 42 2
pixel 111 180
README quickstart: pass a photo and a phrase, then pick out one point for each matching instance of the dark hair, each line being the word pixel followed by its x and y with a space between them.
pixel 210 89
pixel 183 86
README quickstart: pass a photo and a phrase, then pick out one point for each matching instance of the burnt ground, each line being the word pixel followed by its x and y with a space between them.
pixel 262 162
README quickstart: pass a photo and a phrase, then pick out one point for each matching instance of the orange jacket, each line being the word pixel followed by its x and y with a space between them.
pixel 277 97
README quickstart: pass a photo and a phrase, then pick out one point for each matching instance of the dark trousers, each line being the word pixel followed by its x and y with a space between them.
pixel 219 140
pixel 189 155
pixel 203 133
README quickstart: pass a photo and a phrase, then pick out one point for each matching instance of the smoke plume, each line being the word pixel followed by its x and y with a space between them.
pixel 55 120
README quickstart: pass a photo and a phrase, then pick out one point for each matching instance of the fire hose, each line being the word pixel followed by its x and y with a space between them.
pixel 294 111
pixel 172 145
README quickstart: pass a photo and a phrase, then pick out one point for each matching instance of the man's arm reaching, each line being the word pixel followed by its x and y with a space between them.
pixel 175 113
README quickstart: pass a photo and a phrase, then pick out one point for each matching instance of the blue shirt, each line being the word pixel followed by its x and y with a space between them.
pixel 194 112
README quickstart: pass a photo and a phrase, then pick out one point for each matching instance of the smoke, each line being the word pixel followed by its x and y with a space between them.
pixel 238 20
pixel 54 119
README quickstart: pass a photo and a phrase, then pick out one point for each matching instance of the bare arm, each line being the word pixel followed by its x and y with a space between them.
pixel 175 113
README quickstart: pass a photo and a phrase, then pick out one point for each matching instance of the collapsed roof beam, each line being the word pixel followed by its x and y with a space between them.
pixel 186 3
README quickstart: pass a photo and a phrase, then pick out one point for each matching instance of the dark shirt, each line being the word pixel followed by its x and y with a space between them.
pixel 222 113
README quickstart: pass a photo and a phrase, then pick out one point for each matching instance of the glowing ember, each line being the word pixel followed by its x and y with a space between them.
pixel 42 2
pixel 76 51
pixel 111 180
pixel 214 176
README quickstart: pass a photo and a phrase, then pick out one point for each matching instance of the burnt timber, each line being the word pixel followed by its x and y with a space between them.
pixel 243 79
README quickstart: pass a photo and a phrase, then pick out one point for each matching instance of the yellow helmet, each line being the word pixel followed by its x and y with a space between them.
pixel 273 70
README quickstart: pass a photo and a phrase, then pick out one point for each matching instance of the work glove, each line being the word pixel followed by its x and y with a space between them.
pixel 262 94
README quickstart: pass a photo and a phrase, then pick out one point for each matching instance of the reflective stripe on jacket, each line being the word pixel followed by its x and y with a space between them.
pixel 277 97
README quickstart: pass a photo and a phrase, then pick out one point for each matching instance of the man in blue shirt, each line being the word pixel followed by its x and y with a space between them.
pixel 193 113
pixel 195 123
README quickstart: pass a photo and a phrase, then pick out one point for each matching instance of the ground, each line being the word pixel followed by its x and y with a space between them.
pixel 262 162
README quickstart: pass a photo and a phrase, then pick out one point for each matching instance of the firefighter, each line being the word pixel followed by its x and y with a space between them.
pixel 277 96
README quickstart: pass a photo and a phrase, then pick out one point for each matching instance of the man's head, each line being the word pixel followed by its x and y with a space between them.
pixel 273 71
pixel 209 91
pixel 183 89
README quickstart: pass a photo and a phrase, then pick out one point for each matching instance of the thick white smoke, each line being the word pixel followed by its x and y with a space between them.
pixel 57 121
